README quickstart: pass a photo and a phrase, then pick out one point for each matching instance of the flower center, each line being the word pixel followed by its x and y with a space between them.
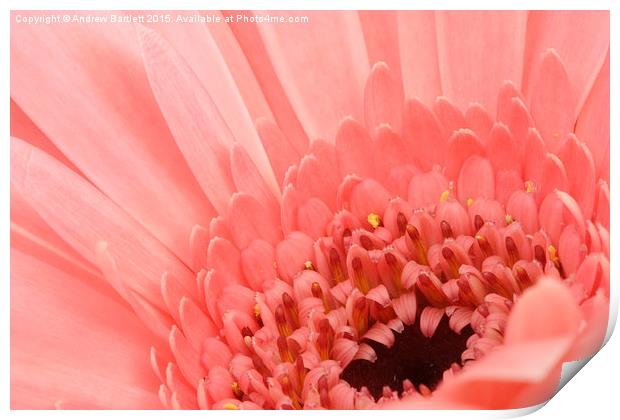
pixel 387 303
pixel 413 362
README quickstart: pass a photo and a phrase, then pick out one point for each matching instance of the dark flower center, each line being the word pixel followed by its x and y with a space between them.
pixel 413 356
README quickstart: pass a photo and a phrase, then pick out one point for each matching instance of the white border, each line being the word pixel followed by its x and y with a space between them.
pixel 593 394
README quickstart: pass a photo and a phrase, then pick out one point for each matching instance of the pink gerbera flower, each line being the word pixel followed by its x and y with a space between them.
pixel 418 217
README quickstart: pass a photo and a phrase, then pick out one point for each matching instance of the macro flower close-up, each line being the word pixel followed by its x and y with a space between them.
pixel 306 210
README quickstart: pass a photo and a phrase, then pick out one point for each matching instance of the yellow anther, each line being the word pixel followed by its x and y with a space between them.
pixel 256 310
pixel 444 195
pixel 237 392
pixel 529 186
pixel 248 341
pixel 374 220
pixel 308 265
pixel 230 406
pixel 509 219
pixel 552 252
pixel 470 201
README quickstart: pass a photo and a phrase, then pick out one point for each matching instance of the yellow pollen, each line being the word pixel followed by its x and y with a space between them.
pixel 248 342
pixel 552 251
pixel 230 406
pixel 308 265
pixel 444 195
pixel 509 219
pixel 470 201
pixel 256 310
pixel 529 186
pixel 374 220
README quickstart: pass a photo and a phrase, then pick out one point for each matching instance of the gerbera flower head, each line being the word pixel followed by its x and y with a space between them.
pixel 400 256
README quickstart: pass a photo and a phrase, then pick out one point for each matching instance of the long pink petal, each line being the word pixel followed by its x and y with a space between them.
pixel 552 100
pixel 116 132
pixel 193 117
pixel 23 127
pixel 581 38
pixel 52 315
pixel 215 56
pixel 328 55
pixel 418 55
pixel 380 30
pixel 216 76
pixel 33 236
pixel 383 98
pixel 477 51
pixel 83 217
pixel 592 125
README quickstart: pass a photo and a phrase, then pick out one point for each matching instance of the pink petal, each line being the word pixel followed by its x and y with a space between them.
pixel 223 256
pixel 476 179
pixel 22 127
pixel 279 149
pixel 544 311
pixel 252 221
pixel 580 172
pixel 215 353
pixel 426 189
pixel 327 56
pixel 478 120
pixel 552 100
pixel 418 55
pixel 504 152
pixel 183 395
pixel 582 50
pixel 515 376
pixel 571 249
pixel 313 216
pixel 393 151
pixel 247 178
pixel 33 236
pixel 383 97
pixel 477 51
pixel 52 314
pixel 292 253
pixel 196 123
pixel 507 182
pixel 525 371
pixel 553 176
pixel 429 320
pixel 601 212
pixel 92 68
pixel 596 314
pixel 195 323
pixel 557 210
pixel 257 263
pixel 380 333
pixel 352 146
pixel 522 207
pixel 519 122
pixel 449 116
pixel 461 145
pixel 221 69
pixel 405 307
pixel 368 197
pixel 253 48
pixel 421 128
pixel 381 35
pixel 318 178
pixel 592 124
pixel 55 192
